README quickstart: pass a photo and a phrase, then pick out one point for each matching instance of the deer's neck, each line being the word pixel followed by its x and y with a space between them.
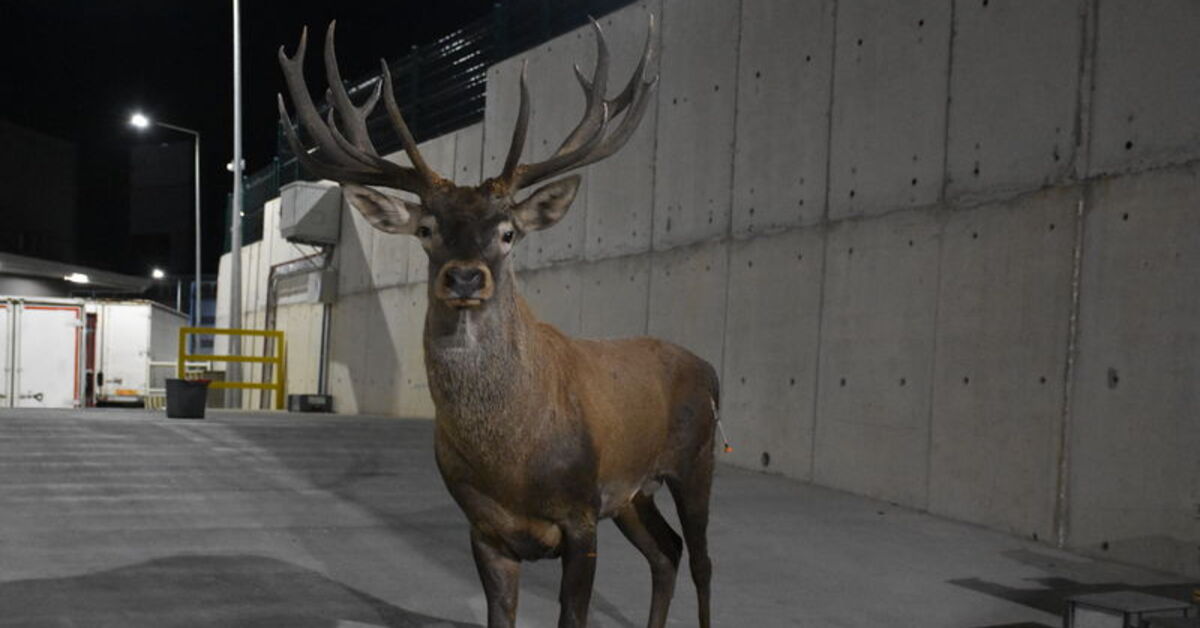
pixel 478 360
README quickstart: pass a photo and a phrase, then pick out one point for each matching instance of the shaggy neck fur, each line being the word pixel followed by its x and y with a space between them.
pixel 477 361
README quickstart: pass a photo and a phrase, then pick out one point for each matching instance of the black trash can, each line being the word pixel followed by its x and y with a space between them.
pixel 186 398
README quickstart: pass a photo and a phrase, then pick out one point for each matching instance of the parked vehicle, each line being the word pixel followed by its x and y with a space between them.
pixel 136 344
pixel 41 352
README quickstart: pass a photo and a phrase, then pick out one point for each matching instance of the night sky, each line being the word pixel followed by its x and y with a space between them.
pixel 77 69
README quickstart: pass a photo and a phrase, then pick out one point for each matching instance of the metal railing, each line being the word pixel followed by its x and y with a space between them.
pixel 440 86
pixel 278 359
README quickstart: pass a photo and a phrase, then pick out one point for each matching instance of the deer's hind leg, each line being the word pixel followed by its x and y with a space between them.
pixel 644 526
pixel 691 489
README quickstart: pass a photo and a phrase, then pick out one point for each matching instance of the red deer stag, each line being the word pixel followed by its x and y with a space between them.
pixel 538 435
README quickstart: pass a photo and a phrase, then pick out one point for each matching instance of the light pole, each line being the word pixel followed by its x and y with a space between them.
pixel 140 121
pixel 234 397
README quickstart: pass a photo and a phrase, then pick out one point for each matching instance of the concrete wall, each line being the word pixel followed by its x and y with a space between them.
pixel 943 253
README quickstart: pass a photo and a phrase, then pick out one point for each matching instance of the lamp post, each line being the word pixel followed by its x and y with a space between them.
pixel 140 121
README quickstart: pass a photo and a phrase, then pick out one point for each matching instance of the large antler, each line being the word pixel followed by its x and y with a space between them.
pixel 353 159
pixel 592 139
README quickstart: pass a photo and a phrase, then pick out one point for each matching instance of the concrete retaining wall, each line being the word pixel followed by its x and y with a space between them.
pixel 943 253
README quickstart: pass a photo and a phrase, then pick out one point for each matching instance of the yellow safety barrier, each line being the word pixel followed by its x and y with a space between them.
pixel 278 360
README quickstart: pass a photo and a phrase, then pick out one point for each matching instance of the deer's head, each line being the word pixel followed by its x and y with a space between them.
pixel 468 232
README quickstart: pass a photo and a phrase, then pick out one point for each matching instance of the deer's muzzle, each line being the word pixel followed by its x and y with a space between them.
pixel 464 284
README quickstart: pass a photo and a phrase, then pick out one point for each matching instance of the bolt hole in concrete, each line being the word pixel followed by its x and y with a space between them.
pixel 766 459
pixel 1128 145
pixel 966 381
pixel 1113 378
pixel 1124 216
pixel 842 383
pixel 903 381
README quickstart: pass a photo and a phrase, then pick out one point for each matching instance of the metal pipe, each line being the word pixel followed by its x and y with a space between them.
pixel 235 236
pixel 194 315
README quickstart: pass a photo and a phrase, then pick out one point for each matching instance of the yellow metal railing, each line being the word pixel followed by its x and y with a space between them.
pixel 278 360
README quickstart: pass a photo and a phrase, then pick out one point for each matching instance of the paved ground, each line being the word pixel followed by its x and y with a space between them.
pixel 128 519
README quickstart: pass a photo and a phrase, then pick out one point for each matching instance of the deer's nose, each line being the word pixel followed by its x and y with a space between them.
pixel 464 281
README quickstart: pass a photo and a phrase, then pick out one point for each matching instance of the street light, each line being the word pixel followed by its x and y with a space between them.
pixel 141 121
pixel 158 273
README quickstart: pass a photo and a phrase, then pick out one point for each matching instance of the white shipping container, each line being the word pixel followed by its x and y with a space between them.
pixel 137 344
pixel 41 353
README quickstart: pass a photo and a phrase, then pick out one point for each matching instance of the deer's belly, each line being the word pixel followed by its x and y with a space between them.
pixel 616 496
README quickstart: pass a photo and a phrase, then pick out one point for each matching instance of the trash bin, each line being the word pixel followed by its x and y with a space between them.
pixel 186 398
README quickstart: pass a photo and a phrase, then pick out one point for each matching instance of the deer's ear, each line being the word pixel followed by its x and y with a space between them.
pixel 547 205
pixel 385 213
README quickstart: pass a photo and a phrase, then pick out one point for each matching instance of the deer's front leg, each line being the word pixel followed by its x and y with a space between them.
pixel 500 574
pixel 579 570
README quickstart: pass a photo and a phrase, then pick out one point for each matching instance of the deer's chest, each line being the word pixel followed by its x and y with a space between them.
pixel 546 469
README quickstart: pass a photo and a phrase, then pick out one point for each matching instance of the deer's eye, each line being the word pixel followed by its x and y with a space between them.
pixel 508 236
pixel 424 232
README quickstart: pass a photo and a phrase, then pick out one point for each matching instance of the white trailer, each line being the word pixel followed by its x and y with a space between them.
pixel 136 345
pixel 41 352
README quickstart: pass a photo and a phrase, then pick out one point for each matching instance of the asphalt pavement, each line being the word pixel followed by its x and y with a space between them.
pixel 124 518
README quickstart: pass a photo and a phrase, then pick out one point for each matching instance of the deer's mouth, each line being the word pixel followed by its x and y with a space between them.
pixel 464 303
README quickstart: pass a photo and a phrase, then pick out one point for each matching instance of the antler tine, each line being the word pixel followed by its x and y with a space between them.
pixel 591 140
pixel 520 129
pixel 365 158
pixel 293 74
pixel 627 95
pixel 338 172
pixel 339 159
pixel 593 92
pixel 615 140
pixel 401 127
pixel 354 118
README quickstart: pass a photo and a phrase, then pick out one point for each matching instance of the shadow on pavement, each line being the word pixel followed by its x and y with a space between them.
pixel 201 590
pixel 387 467
pixel 1050 595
